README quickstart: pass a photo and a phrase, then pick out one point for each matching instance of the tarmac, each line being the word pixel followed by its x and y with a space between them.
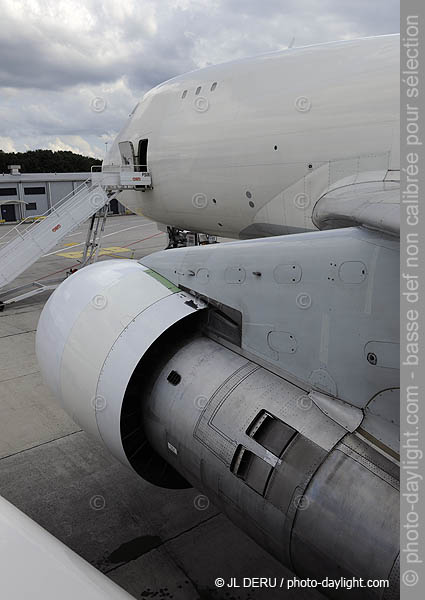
pixel 155 543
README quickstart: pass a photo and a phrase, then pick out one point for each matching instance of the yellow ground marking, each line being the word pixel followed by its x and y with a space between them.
pixel 109 251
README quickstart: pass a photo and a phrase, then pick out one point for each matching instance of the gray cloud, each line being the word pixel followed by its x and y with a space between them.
pixel 56 56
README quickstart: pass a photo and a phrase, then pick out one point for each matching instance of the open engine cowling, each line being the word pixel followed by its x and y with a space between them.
pixel 124 351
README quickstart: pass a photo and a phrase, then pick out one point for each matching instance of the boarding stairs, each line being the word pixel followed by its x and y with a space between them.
pixel 24 244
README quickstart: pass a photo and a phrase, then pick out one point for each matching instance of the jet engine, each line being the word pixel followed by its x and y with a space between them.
pixel 260 372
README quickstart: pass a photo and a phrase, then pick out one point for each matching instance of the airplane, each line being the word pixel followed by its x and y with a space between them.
pixel 262 371
pixel 51 568
pixel 248 148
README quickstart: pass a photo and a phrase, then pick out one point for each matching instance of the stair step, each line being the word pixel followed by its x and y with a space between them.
pixel 40 237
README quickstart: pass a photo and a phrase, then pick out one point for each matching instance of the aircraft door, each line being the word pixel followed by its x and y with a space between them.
pixel 127 154
pixel 143 155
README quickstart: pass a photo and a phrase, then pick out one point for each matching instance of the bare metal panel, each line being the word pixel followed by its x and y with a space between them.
pixel 252 469
pixel 342 310
pixel 382 418
pixel 271 433
pixel 270 452
pixel 350 510
pixel 287 273
pixel 326 504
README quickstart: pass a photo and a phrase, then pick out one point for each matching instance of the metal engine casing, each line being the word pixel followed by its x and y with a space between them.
pixel 314 495
pixel 123 350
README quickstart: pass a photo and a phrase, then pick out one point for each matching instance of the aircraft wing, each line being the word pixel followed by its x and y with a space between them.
pixel 352 202
pixel 34 564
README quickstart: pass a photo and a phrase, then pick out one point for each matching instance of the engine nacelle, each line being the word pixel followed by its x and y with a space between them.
pixel 93 332
pixel 126 353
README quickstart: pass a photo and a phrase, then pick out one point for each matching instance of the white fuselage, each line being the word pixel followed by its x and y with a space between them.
pixel 246 148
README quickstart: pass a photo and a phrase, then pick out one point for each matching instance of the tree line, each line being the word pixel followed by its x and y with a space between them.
pixel 47 161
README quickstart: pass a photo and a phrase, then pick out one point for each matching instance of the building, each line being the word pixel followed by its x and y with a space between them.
pixel 33 194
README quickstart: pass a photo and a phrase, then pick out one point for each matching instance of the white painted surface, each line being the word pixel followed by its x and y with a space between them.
pixel 34 564
pixel 79 325
pixel 332 106
pixel 92 333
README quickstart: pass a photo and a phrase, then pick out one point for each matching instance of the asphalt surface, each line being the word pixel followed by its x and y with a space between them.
pixel 153 542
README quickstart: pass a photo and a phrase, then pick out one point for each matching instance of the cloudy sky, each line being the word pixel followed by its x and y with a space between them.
pixel 71 71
